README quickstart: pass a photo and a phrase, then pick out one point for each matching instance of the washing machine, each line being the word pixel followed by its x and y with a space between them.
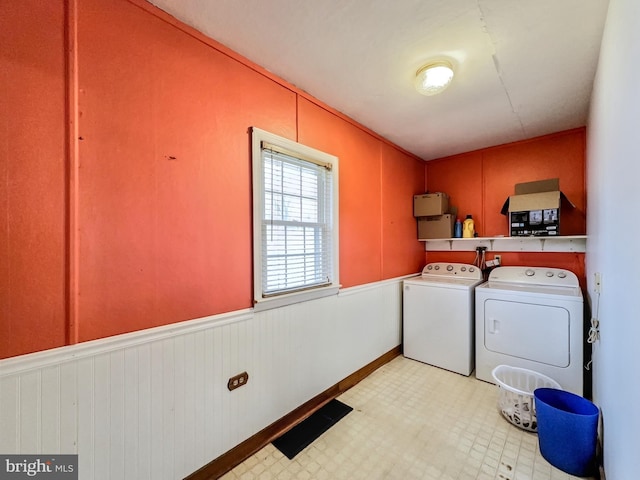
pixel 531 317
pixel 438 316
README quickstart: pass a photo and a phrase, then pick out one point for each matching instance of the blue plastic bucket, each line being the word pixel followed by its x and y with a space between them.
pixel 567 430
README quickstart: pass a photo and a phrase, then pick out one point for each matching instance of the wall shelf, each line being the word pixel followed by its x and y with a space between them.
pixel 572 243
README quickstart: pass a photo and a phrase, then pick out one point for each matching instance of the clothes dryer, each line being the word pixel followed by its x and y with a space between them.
pixel 531 317
pixel 438 316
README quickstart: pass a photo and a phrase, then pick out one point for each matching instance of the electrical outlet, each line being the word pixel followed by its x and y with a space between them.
pixel 238 381
pixel 597 282
pixel 497 260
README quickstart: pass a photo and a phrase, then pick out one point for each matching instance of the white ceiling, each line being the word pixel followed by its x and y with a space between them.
pixel 523 67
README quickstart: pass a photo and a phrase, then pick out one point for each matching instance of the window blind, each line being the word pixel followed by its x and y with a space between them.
pixel 296 223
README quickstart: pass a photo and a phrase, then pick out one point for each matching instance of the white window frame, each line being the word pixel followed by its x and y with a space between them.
pixel 302 152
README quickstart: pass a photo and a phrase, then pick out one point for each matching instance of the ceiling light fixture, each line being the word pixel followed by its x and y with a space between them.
pixel 433 78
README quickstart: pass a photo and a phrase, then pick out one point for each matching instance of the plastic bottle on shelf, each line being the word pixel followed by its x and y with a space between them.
pixel 457 230
pixel 468 227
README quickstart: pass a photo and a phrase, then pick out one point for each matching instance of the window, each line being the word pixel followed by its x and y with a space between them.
pixel 295 221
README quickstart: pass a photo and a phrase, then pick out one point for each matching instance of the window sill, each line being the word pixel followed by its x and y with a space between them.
pixel 292 298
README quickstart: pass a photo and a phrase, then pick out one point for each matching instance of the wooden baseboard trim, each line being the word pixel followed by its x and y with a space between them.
pixel 235 456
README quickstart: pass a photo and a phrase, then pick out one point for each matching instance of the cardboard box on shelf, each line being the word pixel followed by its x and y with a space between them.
pixel 440 226
pixel 430 204
pixel 535 208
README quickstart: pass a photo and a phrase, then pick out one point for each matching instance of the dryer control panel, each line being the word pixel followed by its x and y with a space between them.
pixel 534 276
pixel 459 270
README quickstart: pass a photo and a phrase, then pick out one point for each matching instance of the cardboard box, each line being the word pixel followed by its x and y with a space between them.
pixel 430 204
pixel 536 208
pixel 440 226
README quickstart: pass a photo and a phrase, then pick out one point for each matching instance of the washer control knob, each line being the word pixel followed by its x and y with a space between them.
pixel 449 268
pixel 437 267
pixel 562 275
pixel 549 274
pixel 529 273
pixel 463 269
pixel 429 267
pixel 471 269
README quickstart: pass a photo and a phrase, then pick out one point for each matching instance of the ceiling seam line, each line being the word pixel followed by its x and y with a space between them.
pixel 496 64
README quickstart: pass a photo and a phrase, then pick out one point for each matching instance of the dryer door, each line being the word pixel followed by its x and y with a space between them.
pixel 539 333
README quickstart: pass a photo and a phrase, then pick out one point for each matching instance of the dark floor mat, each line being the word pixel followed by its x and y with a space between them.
pixel 303 434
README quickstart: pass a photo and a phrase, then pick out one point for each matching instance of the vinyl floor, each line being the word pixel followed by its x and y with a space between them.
pixel 413 421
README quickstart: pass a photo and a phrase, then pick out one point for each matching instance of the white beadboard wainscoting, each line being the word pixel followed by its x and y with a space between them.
pixel 154 404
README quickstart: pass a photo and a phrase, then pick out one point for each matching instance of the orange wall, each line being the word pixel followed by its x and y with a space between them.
pixel 377 184
pixel 150 223
pixel 479 182
pixel 164 202
pixel 401 179
pixel 32 176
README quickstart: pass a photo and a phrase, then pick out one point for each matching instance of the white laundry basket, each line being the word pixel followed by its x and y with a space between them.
pixel 516 386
